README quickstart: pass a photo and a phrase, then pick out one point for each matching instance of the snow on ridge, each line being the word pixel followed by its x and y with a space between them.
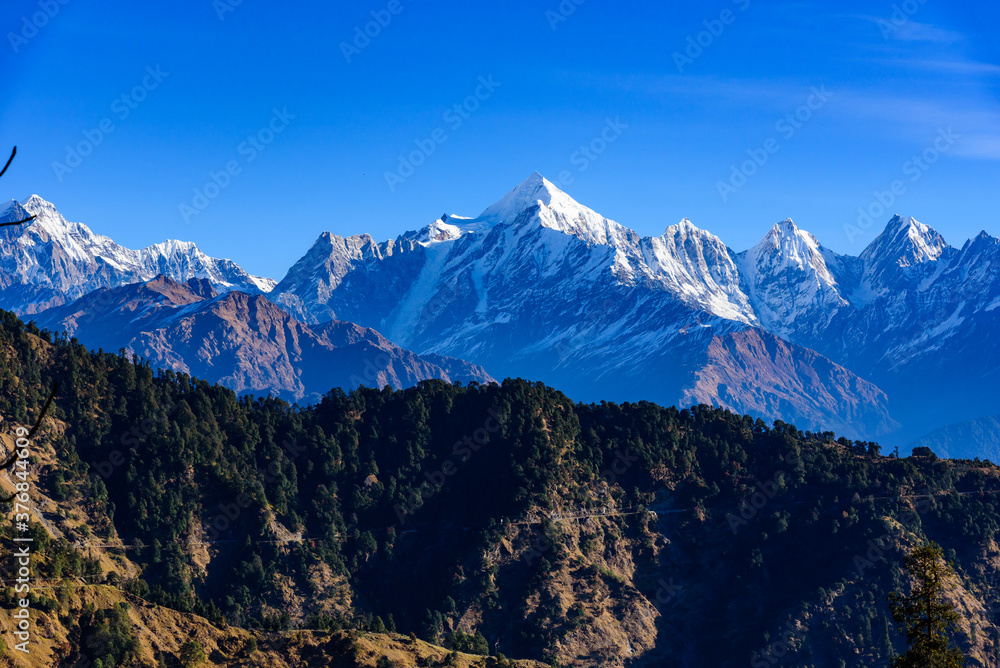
pixel 785 246
pixel 557 211
pixel 264 284
pixel 535 189
pixel 86 250
pixel 448 227
pixel 789 281
pixel 919 234
pixel 905 241
pixel 172 247
pixel 786 272
pixel 696 267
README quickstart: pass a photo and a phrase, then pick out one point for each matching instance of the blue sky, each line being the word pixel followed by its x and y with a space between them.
pixel 200 78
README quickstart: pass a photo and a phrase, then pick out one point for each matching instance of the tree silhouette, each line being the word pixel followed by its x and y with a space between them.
pixel 13 457
pixel 924 616
pixel 4 171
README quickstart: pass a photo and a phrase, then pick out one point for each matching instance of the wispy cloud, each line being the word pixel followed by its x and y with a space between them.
pixel 914 118
pixel 911 31
pixel 900 26
pixel 904 117
pixel 956 66
pixel 947 66
pixel 982 147
pixel 743 93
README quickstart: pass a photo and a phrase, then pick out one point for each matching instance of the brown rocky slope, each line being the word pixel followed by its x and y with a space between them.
pixel 245 342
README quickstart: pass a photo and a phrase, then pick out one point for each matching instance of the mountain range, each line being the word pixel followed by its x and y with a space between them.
pixel 244 341
pixel 888 345
pixel 51 261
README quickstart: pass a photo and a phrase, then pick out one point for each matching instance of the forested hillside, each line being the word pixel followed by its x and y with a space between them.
pixel 487 518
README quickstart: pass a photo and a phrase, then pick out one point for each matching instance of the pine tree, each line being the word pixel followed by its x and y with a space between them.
pixel 887 650
pixel 926 619
pixel 192 654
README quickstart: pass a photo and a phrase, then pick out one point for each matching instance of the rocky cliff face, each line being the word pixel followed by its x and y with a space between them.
pixel 244 341
pixel 758 371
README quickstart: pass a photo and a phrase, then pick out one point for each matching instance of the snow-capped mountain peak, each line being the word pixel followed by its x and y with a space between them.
pixel 51 260
pixel 787 275
pixel 907 253
pixel 794 245
pixel 786 228
pixel 42 208
pixel 684 227
pixel 538 201
pixel 976 268
pixel 534 190
pixel 75 239
pixel 905 241
pixel 38 204
pixel 173 247
pixel 697 268
pixel 49 218
pixel 448 228
pixel 442 230
pixel 13 211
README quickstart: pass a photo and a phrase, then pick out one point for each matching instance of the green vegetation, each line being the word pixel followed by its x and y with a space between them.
pixel 107 635
pixel 927 620
pixel 473 643
pixel 426 504
pixel 192 654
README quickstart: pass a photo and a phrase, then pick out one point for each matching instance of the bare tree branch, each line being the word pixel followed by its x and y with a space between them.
pixel 38 423
pixel 2 172
pixel 9 160
pixel 20 222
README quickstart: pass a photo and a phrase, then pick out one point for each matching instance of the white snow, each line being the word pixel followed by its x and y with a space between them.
pixel 51 235
pixel 789 279
pixel 558 211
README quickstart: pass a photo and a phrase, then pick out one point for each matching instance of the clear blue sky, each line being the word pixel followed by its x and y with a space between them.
pixel 893 85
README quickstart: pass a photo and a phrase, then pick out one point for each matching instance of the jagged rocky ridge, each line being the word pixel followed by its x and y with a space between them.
pixel 889 344
pixel 50 261
pixel 244 341
pixel 541 286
